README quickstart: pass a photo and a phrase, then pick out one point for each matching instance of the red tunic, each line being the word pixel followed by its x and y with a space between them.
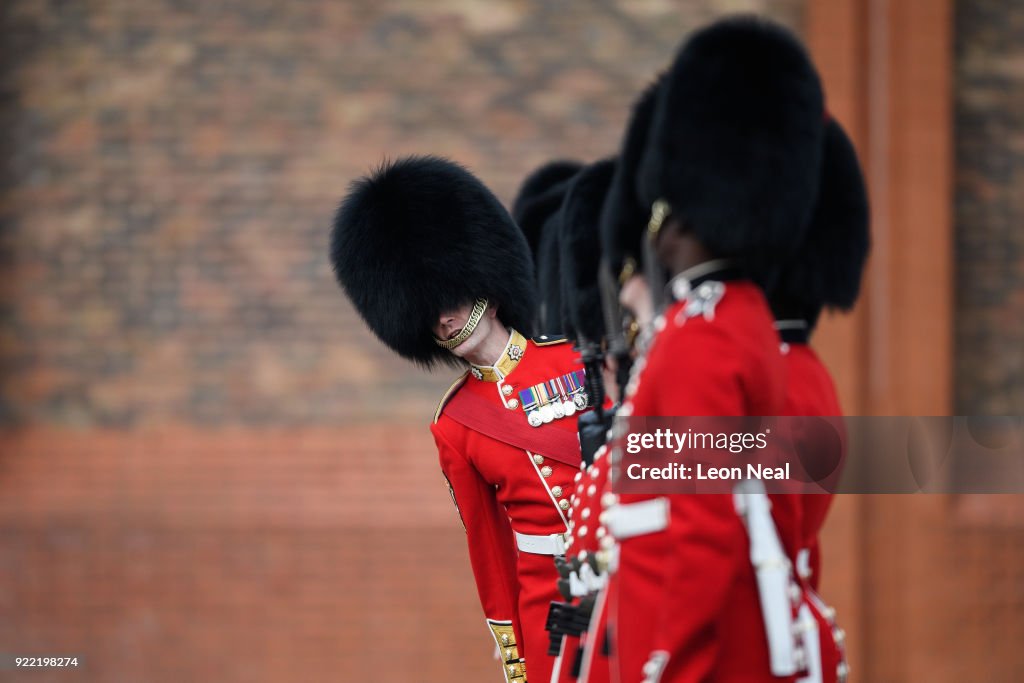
pixel 499 489
pixel 588 537
pixel 690 590
pixel 810 391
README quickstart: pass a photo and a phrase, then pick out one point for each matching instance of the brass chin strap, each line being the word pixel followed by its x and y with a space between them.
pixel 660 210
pixel 656 276
pixel 475 316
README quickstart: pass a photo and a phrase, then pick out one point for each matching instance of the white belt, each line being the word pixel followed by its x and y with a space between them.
pixel 774 577
pixel 812 645
pixel 550 544
pixel 627 520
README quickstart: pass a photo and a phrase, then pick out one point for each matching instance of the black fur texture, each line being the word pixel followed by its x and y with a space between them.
pixel 735 145
pixel 581 250
pixel 624 217
pixel 547 259
pixel 421 236
pixel 826 271
pixel 540 196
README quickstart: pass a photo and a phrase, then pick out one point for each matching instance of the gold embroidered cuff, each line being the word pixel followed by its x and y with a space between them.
pixel 505 638
pixel 515 673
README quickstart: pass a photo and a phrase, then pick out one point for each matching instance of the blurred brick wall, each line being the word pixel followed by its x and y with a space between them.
pixel 237 556
pixel 990 207
pixel 981 544
pixel 210 469
pixel 175 166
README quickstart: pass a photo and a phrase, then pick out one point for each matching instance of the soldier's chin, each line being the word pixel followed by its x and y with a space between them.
pixel 470 343
pixel 465 347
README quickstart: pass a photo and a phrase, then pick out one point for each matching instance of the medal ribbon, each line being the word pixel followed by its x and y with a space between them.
pixel 549 391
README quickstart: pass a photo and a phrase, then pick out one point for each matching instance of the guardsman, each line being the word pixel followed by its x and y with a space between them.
pixel 580 257
pixel 702 586
pixel 825 273
pixel 625 287
pixel 442 275
pixel 536 211
pixel 580 250
pixel 584 655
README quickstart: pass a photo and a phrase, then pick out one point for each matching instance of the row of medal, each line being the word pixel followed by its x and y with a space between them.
pixel 555 398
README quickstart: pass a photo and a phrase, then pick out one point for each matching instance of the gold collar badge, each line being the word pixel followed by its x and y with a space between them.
pixel 514 351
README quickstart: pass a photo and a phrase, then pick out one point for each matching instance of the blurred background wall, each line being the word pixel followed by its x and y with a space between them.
pixel 209 469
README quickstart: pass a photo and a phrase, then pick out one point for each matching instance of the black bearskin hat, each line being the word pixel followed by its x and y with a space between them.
pixel 581 249
pixel 624 217
pixel 535 210
pixel 540 196
pixel 826 270
pixel 547 261
pixel 421 236
pixel 735 145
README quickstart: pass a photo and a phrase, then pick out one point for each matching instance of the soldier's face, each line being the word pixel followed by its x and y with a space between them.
pixel 450 323
pixel 635 297
pixel 677 248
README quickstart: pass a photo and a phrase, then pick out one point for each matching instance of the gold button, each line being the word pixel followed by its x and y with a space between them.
pixel 506 389
pixel 504 639
pixel 512 404
pixel 556 491
pixel 564 504
pixel 539 459
pixel 545 471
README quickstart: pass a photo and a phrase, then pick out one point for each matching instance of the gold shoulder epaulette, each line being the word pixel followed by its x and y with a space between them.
pixel 448 394
pixel 548 340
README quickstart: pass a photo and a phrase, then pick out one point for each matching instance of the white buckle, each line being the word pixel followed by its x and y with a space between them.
pixel 627 520
pixel 550 544
pixel 803 563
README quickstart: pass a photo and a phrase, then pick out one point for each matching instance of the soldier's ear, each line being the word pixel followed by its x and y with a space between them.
pixel 491 311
